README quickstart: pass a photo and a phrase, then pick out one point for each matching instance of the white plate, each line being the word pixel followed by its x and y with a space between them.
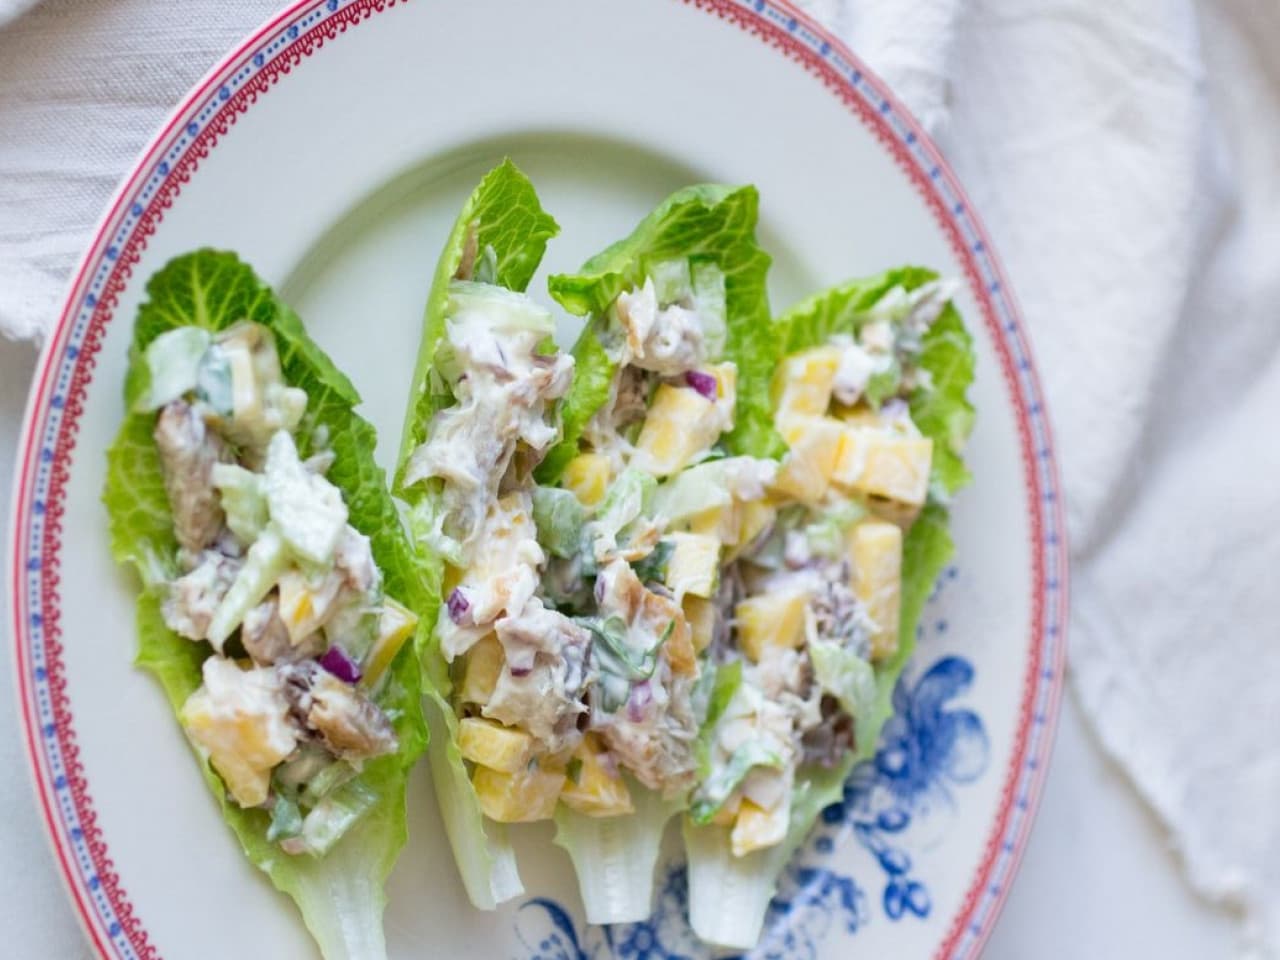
pixel 331 150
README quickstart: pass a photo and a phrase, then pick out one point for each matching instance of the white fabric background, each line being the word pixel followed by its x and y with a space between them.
pixel 1126 157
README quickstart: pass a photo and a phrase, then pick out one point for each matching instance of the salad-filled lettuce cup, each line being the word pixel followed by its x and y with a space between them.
pixel 670 394
pixel 278 589
pixel 479 419
pixel 821 604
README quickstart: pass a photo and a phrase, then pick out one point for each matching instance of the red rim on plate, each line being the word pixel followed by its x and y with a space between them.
pixel 65 369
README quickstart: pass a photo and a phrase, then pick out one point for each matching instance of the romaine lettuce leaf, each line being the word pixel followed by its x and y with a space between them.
pixel 614 857
pixel 511 231
pixel 340 895
pixel 507 219
pixel 940 408
pixel 707 223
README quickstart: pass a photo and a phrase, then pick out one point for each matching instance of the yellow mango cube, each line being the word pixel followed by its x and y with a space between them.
pixel 239 721
pixel 492 745
pixel 303 606
pixel 700 614
pixel 681 424
pixel 522 797
pixel 771 620
pixel 396 624
pixel 875 550
pixel 884 464
pixel 587 477
pixel 596 788
pixel 720 522
pixel 694 564
pixel 756 828
pixel 753 518
pixel 802 383
pixel 480 670
pixel 815 446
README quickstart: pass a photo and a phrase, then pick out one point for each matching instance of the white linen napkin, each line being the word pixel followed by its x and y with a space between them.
pixel 1126 157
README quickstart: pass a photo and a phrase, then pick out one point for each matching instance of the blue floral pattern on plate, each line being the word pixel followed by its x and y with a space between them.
pixel 891 804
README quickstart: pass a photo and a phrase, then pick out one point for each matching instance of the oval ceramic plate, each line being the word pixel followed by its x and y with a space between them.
pixel 332 150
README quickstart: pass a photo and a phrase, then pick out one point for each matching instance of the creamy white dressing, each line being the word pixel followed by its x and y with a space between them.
pixel 274 571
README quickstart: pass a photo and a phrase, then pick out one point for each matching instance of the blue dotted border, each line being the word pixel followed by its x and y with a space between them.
pixel 946 191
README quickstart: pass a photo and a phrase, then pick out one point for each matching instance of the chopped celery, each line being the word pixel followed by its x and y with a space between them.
pixel 497 308
pixel 559 518
pixel 263 564
pixel 671 281
pixel 173 365
pixel 334 816
pixel 306 509
pixel 244 500
pixel 709 298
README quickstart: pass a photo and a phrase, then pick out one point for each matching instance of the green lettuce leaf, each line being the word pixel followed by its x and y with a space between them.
pixel 720 885
pixel 708 223
pixel 340 895
pixel 843 308
pixel 939 407
pixel 505 214
pixel 507 219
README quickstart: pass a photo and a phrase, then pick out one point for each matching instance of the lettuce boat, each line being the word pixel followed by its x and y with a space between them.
pixel 822 605
pixel 564 667
pixel 478 411
pixel 276 587
pixel 668 406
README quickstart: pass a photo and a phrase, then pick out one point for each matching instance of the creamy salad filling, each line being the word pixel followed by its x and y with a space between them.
pixel 576 664
pixel 273 578
pixel 811 591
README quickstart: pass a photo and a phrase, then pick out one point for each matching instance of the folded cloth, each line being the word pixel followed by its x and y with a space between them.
pixel 1126 157
pixel 83 86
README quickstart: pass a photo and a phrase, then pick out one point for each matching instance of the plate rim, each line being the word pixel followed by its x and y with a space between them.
pixel 205 113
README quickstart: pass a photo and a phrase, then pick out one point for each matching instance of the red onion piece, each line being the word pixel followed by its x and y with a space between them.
pixel 704 383
pixel 641 697
pixel 336 661
pixel 458 606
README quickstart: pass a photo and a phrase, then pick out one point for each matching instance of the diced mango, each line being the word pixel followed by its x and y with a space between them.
pixel 587 476
pixel 481 667
pixel 304 606
pixel 240 721
pixel 694 564
pixel 522 797
pixel 596 788
pixel 396 624
pixel 753 517
pixel 875 549
pixel 756 828
pixel 884 464
pixel 701 617
pixel 492 745
pixel 720 522
pixel 802 383
pixel 681 423
pixel 771 619
pixel 815 445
